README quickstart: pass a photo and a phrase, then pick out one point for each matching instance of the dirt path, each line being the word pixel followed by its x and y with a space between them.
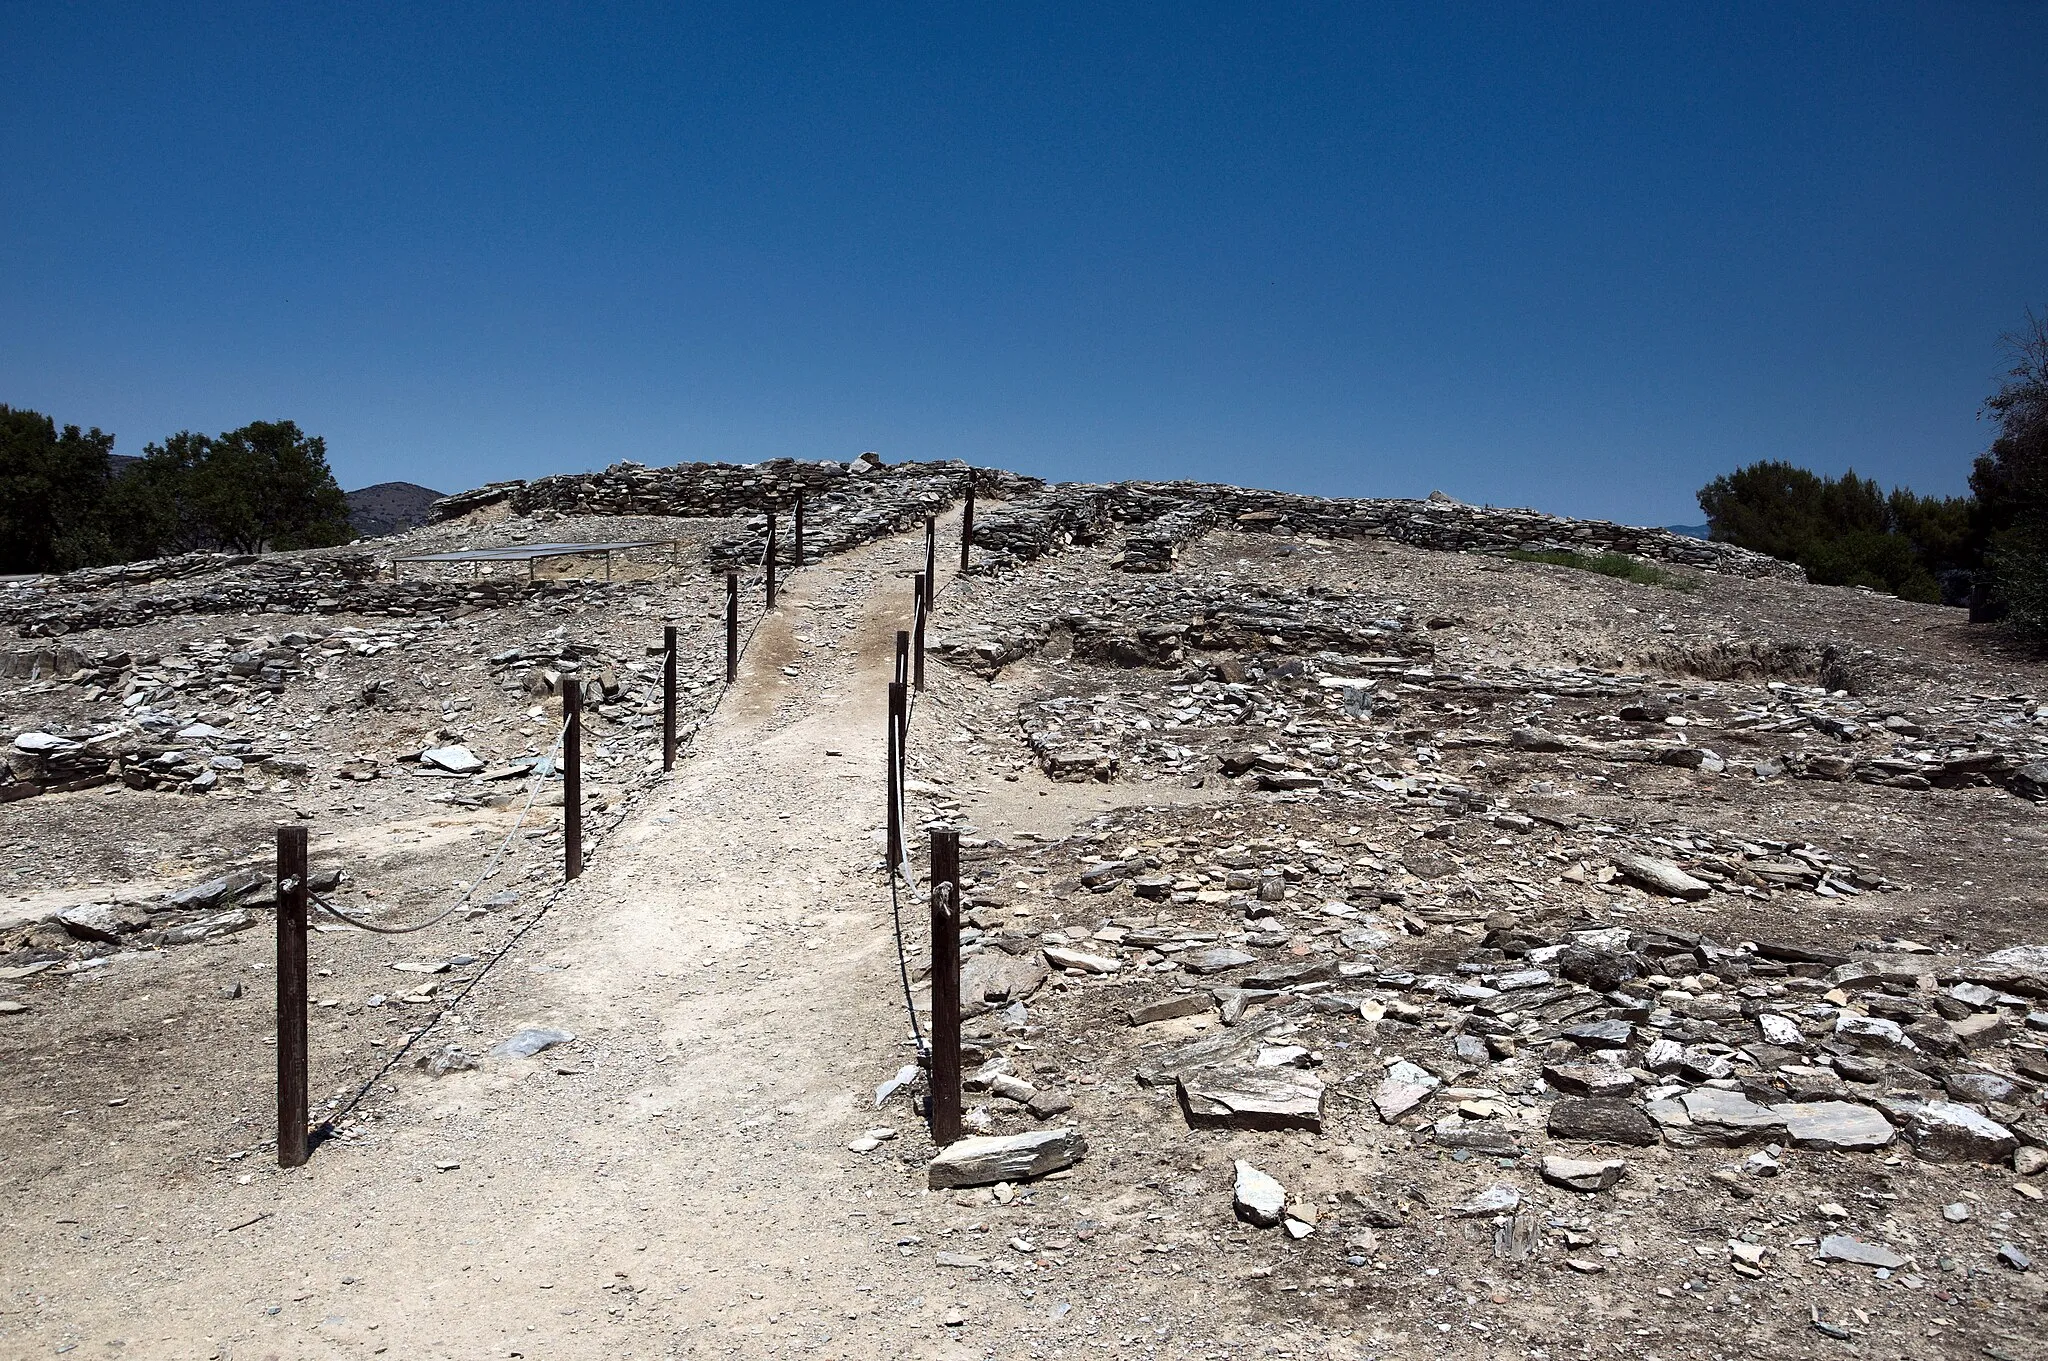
pixel 675 1182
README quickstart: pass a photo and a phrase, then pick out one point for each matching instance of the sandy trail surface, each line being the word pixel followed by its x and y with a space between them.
pixel 675 1182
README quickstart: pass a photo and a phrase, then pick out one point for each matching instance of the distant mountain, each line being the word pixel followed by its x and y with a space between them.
pixel 1690 531
pixel 389 507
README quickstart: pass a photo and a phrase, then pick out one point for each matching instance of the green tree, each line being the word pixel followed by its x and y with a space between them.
pixel 53 486
pixel 263 487
pixel 2011 482
pixel 1844 531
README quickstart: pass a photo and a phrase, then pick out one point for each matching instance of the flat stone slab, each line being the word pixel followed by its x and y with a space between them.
pixel 1244 1097
pixel 1840 1247
pixel 1405 1087
pixel 1589 1079
pixel 1216 960
pixel 454 760
pixel 1583 1174
pixel 1945 1132
pixel 2020 969
pixel 1171 1008
pixel 1661 876
pixel 1601 1120
pixel 986 1159
pixel 1839 1125
pixel 1060 957
pixel 1729 1117
pixel 1608 1034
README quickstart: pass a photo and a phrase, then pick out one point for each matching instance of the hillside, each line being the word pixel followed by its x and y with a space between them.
pixel 1373 943
pixel 389 508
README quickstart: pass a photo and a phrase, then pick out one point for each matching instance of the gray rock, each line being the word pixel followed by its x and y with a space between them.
pixel 1582 1174
pixel 455 760
pixel 1608 1034
pixel 1589 1079
pixel 1061 957
pixel 1780 1030
pixel 530 1041
pixel 91 921
pixel 983 1160
pixel 1234 1046
pixel 1981 1088
pixel 1171 1008
pixel 994 977
pixel 2029 1161
pixel 1257 1197
pixel 1873 1033
pixel 225 924
pixel 1840 1247
pixel 1723 1118
pixel 1216 960
pixel 1403 1089
pixel 1944 1132
pixel 449 1058
pixel 2021 969
pixel 1241 1097
pixel 1661 876
pixel 2013 1256
pixel 1837 1125
pixel 1601 1120
pixel 1497 1199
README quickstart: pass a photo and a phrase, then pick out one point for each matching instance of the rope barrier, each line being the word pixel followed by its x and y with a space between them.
pixel 904 871
pixel 541 767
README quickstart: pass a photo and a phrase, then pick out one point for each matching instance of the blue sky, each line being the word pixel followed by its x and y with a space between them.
pixel 1576 257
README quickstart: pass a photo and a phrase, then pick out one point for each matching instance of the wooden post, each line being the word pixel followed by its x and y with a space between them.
pixel 902 656
pixel 917 634
pixel 768 560
pixel 893 777
pixel 668 698
pixel 967 523
pixel 931 560
pixel 945 873
pixel 732 627
pixel 799 536
pixel 572 777
pixel 292 1143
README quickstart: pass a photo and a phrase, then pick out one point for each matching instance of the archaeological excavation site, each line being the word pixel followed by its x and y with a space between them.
pixel 852 909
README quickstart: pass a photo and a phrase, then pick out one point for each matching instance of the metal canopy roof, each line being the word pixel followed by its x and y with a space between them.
pixel 525 551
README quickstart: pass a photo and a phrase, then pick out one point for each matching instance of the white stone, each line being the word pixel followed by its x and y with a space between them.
pixel 1258 1198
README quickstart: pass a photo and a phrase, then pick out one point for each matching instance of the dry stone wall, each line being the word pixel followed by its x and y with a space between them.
pixel 1164 516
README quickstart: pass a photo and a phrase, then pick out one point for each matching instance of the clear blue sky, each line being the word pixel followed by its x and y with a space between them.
pixel 1575 257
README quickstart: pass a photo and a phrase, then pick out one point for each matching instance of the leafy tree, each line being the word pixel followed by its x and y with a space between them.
pixel 2011 483
pixel 52 489
pixel 1844 531
pixel 263 487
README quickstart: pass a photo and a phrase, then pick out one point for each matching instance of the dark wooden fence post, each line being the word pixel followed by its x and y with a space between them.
pixel 902 656
pixel 572 777
pixel 668 698
pixel 799 535
pixel 967 524
pixel 768 560
pixel 917 634
pixel 931 557
pixel 732 627
pixel 894 775
pixel 292 1142
pixel 945 872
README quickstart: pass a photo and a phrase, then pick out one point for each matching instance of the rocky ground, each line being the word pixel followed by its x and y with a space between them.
pixel 1375 950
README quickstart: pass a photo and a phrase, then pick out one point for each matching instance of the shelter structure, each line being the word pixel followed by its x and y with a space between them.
pixel 531 553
